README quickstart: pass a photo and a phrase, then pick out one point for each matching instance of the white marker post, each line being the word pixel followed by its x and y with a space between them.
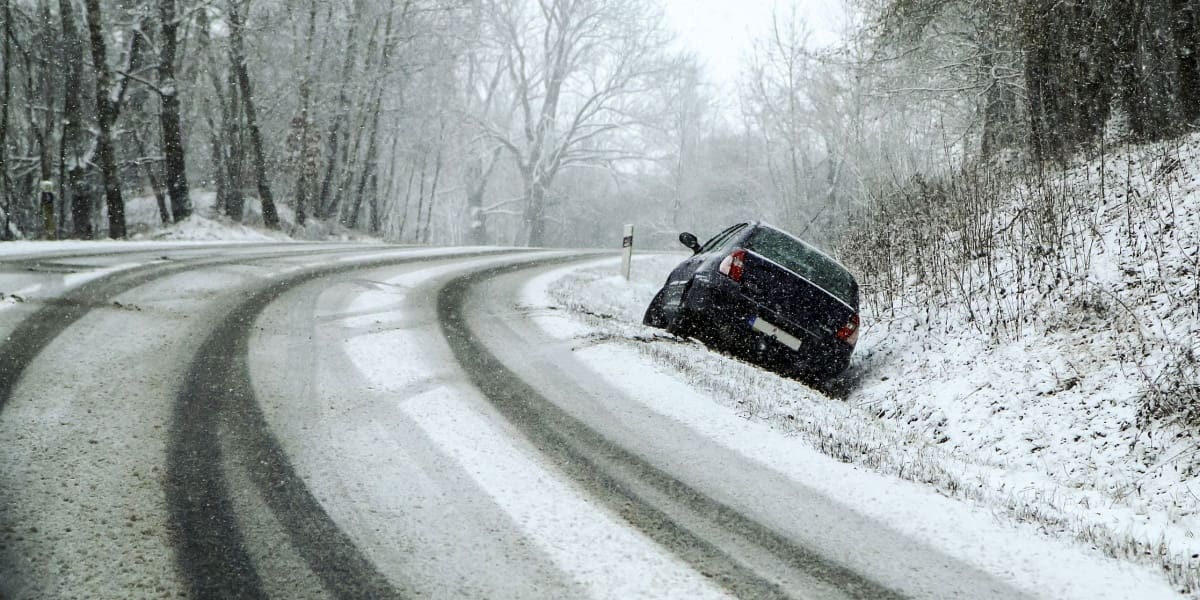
pixel 627 251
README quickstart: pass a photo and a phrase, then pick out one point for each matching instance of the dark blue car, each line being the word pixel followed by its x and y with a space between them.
pixel 765 295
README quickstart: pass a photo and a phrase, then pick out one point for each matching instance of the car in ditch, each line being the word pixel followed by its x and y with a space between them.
pixel 764 295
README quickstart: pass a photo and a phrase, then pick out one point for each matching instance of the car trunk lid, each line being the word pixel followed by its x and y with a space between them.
pixel 791 301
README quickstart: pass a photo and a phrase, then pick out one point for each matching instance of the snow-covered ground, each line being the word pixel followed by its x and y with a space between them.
pixel 205 224
pixel 1034 431
pixel 143 223
pixel 146 233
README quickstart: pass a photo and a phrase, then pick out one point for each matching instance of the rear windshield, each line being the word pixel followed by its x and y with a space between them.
pixel 806 262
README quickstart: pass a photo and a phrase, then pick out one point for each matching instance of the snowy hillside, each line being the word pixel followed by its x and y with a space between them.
pixel 1056 388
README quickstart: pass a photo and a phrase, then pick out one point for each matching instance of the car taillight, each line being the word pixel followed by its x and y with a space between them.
pixel 849 332
pixel 733 265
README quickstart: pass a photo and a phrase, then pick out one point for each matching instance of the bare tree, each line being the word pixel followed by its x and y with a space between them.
pixel 73 147
pixel 481 81
pixel 106 116
pixel 174 160
pixel 369 179
pixel 577 69
pixel 303 134
pixel 688 117
pixel 6 89
pixel 779 77
pixel 246 92
pixel 336 136
pixel 959 59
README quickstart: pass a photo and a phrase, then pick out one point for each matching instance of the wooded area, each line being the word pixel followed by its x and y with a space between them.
pixel 550 122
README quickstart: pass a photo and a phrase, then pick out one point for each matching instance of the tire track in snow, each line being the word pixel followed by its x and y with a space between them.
pixel 30 336
pixel 641 493
pixel 33 259
pixel 35 332
pixel 218 397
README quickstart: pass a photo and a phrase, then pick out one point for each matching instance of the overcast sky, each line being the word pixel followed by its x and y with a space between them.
pixel 720 32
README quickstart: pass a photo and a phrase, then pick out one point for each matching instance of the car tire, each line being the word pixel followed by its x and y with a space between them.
pixel 686 322
pixel 823 374
pixel 654 313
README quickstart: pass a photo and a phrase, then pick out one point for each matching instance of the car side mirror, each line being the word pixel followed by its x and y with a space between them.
pixel 690 241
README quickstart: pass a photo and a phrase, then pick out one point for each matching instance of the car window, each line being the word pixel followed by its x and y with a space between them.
pixel 807 262
pixel 719 240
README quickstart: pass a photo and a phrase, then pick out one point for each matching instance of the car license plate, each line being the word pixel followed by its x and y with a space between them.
pixel 784 337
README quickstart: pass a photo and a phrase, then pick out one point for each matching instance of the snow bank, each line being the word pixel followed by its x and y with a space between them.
pixel 198 227
pixel 144 223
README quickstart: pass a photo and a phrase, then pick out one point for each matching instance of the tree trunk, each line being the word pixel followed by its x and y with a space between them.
pixel 377 204
pixel 302 200
pixel 412 173
pixel 479 169
pixel 420 201
pixel 235 206
pixel 477 228
pixel 304 154
pixel 325 208
pixel 220 177
pixel 105 116
pixel 1187 52
pixel 479 173
pixel 270 217
pixel 1148 69
pixel 48 89
pixel 72 167
pixel 174 161
pixel 437 176
pixel 6 89
pixel 164 214
pixel 220 146
pixel 331 162
pixel 350 164
pixel 535 211
pixel 1001 105
pixel 1069 60
pixel 1038 62
pixel 368 171
pixel 370 162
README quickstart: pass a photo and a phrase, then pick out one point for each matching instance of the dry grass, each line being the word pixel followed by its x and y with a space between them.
pixel 999 254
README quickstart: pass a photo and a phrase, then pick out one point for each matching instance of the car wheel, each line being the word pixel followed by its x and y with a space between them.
pixel 654 313
pixel 824 374
pixel 686 322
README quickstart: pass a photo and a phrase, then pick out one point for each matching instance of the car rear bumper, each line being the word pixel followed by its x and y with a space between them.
pixel 729 315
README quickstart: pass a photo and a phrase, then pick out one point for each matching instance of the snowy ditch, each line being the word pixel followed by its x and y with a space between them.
pixel 1035 434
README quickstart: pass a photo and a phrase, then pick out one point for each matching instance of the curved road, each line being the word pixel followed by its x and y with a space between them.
pixel 304 421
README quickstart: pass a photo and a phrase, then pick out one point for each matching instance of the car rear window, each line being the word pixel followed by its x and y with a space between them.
pixel 807 262
pixel 719 240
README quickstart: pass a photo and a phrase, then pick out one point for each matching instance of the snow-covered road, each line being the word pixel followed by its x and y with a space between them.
pixel 302 421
